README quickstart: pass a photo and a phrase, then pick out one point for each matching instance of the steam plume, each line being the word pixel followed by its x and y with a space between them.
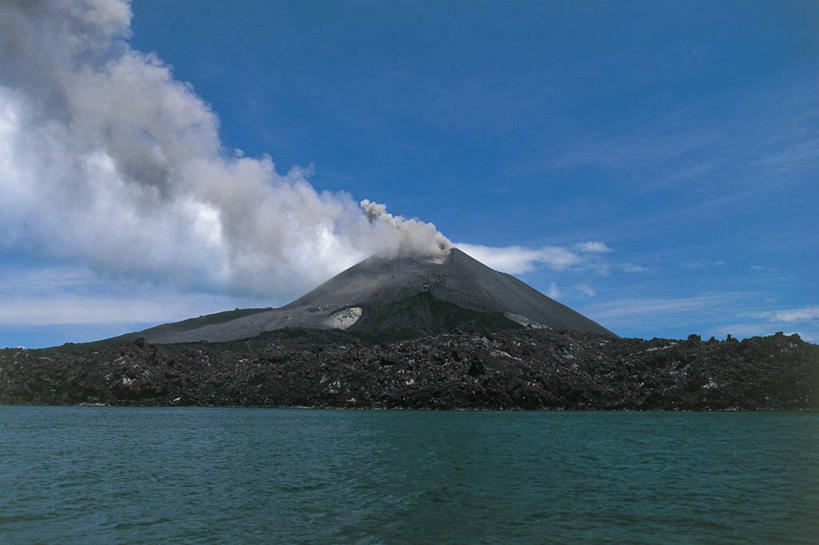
pixel 106 158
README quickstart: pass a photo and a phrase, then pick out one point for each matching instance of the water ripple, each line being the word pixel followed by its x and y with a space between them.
pixel 82 475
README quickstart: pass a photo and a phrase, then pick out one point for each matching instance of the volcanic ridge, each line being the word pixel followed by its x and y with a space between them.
pixel 394 298
pixel 415 332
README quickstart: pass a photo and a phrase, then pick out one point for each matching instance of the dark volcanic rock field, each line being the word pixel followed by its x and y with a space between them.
pixel 524 368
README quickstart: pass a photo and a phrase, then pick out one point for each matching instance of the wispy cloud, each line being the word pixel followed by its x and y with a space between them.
pixel 44 280
pixel 753 329
pixel 592 247
pixel 790 315
pixel 739 313
pixel 519 259
pixel 740 330
pixel 649 309
pixel 703 263
pixel 798 314
pixel 696 165
pixel 762 140
pixel 590 256
pixel 633 268
pixel 586 290
pixel 77 295
pixel 40 311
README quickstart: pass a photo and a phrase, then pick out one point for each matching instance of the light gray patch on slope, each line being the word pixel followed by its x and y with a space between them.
pixel 459 279
pixel 523 320
pixel 344 318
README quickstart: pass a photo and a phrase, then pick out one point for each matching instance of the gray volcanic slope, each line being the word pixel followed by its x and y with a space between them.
pixel 378 282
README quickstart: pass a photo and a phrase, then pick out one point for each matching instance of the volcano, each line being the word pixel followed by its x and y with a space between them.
pixel 391 298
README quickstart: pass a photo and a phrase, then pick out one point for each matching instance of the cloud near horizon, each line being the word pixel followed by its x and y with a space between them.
pixel 732 312
pixel 800 314
pixel 106 158
pixel 519 259
pixel 72 295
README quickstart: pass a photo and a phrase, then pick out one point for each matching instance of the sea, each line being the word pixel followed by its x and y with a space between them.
pixel 87 475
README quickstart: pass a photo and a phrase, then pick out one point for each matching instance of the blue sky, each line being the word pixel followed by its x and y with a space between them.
pixel 654 165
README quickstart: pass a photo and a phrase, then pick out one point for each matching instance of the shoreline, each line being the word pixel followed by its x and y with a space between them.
pixel 507 370
pixel 808 410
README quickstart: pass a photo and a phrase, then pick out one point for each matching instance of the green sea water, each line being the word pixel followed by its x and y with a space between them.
pixel 86 475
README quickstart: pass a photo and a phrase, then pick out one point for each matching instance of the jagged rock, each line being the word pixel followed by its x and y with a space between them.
pixel 523 368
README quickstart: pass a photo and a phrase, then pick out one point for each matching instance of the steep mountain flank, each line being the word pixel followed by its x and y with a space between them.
pixel 404 297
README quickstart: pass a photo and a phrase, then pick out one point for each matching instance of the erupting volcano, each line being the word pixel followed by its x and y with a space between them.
pixel 395 297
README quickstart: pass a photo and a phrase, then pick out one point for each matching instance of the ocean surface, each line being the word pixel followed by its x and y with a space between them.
pixel 87 475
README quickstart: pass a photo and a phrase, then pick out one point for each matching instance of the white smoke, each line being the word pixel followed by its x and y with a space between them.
pixel 404 236
pixel 106 158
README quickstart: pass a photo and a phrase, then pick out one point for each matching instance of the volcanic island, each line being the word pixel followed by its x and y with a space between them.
pixel 421 332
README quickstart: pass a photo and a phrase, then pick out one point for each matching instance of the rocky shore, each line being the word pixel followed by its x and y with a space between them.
pixel 514 369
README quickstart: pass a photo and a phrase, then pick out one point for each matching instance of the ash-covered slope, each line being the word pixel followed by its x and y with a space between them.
pixel 407 296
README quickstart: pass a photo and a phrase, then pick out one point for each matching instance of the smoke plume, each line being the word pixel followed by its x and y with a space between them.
pixel 107 159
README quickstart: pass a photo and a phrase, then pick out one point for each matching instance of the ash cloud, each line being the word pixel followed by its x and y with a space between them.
pixel 107 159
pixel 414 237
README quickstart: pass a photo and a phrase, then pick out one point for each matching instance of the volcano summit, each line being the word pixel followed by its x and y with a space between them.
pixel 395 297
pixel 415 332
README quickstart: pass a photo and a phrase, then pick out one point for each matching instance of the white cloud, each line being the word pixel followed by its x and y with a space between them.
pixel 763 144
pixel 106 158
pixel 797 314
pixel 703 263
pixel 518 259
pixel 790 315
pixel 586 256
pixel 810 335
pixel 76 295
pixel 715 314
pixel 741 330
pixel 554 292
pixel 15 280
pixel 652 307
pixel 61 310
pixel 632 268
pixel 586 290
pixel 593 247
